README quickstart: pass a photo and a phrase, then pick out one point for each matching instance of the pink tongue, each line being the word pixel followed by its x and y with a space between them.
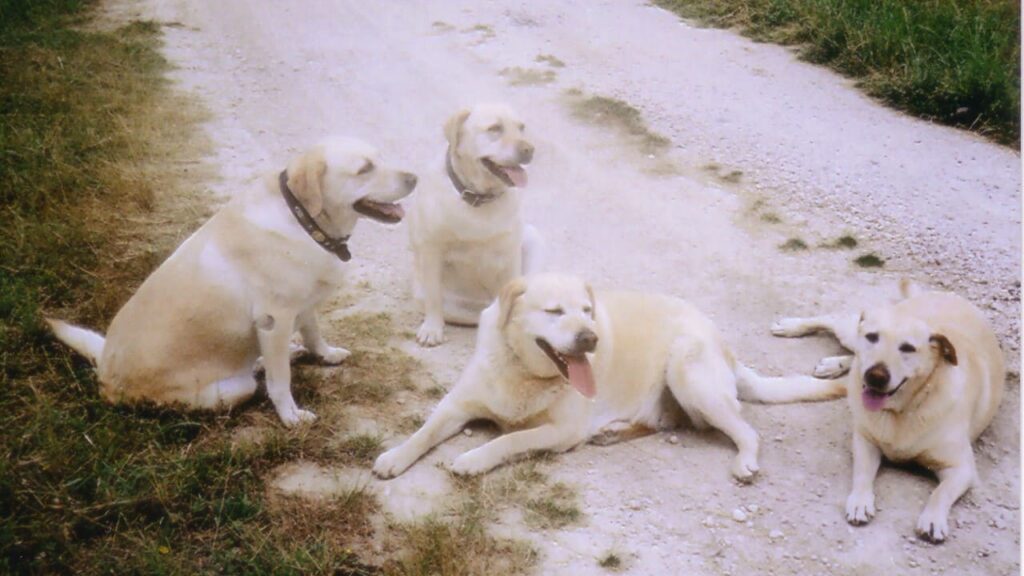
pixel 872 401
pixel 581 376
pixel 516 174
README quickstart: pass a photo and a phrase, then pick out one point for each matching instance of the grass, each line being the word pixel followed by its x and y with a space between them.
pixel 549 59
pixel 610 561
pixel 954 61
pixel 527 76
pixel 793 245
pixel 844 242
pixel 620 116
pixel 870 260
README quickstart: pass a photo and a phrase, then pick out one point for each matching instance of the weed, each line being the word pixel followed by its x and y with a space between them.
pixel 611 561
pixel 845 242
pixel 620 116
pixel 528 76
pixel 870 260
pixel 770 218
pixel 793 245
pixel 550 60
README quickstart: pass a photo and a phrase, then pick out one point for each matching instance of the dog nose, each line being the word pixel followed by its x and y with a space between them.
pixel 586 341
pixel 525 150
pixel 877 377
pixel 409 179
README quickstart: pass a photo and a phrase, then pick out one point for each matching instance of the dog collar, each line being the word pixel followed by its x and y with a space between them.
pixel 474 199
pixel 336 246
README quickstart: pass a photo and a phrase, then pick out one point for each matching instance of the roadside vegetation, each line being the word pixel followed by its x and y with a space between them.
pixel 953 61
pixel 102 167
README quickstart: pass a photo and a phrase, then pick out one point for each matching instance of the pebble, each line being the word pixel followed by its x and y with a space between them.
pixel 467 431
pixel 775 534
pixel 739 515
pixel 753 508
pixel 673 439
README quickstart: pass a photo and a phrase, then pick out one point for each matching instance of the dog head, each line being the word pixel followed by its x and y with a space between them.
pixel 549 323
pixel 897 355
pixel 488 148
pixel 341 179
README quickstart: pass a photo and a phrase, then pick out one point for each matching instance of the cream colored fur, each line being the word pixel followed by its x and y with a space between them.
pixel 945 354
pixel 654 355
pixel 237 289
pixel 463 254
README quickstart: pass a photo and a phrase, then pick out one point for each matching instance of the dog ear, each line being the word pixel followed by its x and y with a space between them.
pixel 507 299
pixel 945 347
pixel 306 178
pixel 453 127
pixel 593 302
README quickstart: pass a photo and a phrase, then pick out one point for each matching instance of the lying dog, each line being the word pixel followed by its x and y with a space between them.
pixel 531 373
pixel 925 380
pixel 242 284
pixel 465 230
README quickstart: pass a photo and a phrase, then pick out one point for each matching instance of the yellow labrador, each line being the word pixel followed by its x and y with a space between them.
pixel 465 229
pixel 242 284
pixel 925 380
pixel 556 364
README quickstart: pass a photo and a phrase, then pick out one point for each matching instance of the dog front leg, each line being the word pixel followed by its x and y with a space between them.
pixel 314 341
pixel 431 264
pixel 933 524
pixel 446 420
pixel 503 448
pixel 274 334
pixel 860 505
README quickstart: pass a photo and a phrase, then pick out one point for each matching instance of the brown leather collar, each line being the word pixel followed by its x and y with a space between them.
pixel 336 246
pixel 474 199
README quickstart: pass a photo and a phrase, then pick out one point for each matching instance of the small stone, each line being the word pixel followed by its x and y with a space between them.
pixel 467 431
pixel 739 515
pixel 673 439
pixel 753 508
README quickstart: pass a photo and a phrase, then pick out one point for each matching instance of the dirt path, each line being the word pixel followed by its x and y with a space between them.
pixel 760 148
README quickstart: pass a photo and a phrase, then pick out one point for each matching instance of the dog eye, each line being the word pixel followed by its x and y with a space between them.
pixel 872 337
pixel 366 169
pixel 496 129
pixel 587 310
pixel 908 348
pixel 555 311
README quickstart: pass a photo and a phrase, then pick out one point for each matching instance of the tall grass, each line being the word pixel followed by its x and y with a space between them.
pixel 954 61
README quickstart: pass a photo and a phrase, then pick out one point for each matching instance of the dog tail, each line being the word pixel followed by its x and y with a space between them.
pixel 85 342
pixel 753 387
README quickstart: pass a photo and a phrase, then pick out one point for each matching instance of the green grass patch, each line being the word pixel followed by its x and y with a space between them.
pixel 870 260
pixel 527 76
pixel 610 561
pixel 549 59
pixel 954 61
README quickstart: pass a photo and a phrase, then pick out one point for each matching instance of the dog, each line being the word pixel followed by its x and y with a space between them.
pixel 242 284
pixel 557 364
pixel 926 378
pixel 465 229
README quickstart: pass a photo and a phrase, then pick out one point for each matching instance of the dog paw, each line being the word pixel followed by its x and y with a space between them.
pixel 832 367
pixel 430 333
pixel 788 328
pixel 745 469
pixel 933 526
pixel 332 356
pixel 471 463
pixel 297 417
pixel 860 508
pixel 391 463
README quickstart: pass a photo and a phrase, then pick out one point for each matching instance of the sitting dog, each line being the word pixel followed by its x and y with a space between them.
pixel 242 284
pixel 549 345
pixel 466 234
pixel 926 379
